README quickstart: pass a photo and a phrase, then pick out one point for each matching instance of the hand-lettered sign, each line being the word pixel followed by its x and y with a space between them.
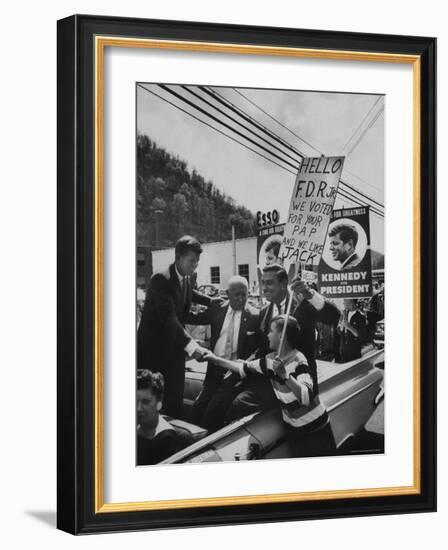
pixel 310 210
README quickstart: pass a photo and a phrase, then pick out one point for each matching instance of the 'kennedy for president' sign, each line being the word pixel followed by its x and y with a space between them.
pixel 346 270
pixel 310 209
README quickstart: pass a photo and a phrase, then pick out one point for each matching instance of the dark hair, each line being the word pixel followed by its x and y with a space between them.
pixel 274 246
pixel 280 272
pixel 347 233
pixel 187 244
pixel 153 381
pixel 292 333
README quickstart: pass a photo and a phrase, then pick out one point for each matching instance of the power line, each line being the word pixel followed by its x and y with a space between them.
pixel 372 208
pixel 240 143
pixel 214 128
pixel 188 102
pixel 341 196
pixel 345 194
pixel 234 108
pixel 355 202
pixel 367 197
pixel 234 120
pixel 360 124
pixel 302 139
pixel 227 103
pixel 362 180
pixel 275 120
pixel 372 122
pixel 179 96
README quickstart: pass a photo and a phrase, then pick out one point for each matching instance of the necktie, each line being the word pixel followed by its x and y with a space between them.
pixel 228 350
pixel 185 285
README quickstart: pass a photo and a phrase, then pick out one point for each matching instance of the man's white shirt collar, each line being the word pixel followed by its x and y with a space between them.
pixel 237 312
pixel 162 425
pixel 284 302
pixel 282 306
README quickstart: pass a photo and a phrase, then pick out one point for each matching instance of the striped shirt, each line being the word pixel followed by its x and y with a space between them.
pixel 303 410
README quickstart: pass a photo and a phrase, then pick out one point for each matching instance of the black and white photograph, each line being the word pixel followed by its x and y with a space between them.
pixel 234 203
pixel 260 273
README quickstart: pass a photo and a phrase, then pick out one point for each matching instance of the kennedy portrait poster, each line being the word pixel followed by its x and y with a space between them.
pixel 346 270
pixel 259 274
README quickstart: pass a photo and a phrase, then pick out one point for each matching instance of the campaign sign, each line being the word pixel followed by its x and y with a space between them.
pixel 269 241
pixel 310 209
pixel 345 270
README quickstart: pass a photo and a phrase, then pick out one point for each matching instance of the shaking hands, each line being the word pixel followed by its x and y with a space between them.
pixel 200 354
pixel 203 354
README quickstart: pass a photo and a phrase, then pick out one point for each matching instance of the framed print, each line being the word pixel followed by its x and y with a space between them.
pixel 246 274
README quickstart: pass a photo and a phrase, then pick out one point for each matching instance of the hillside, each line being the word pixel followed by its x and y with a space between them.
pixel 172 201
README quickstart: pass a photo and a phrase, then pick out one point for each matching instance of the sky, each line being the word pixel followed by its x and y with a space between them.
pixel 328 123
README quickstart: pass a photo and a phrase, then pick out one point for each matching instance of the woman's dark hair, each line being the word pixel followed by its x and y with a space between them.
pixel 292 333
pixel 151 380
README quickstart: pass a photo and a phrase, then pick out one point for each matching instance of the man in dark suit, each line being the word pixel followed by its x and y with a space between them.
pixel 352 330
pixel 162 340
pixel 235 334
pixel 307 308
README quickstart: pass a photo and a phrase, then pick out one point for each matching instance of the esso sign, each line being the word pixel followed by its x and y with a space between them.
pixel 267 218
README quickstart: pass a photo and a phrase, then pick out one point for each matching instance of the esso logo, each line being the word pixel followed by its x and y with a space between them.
pixel 267 218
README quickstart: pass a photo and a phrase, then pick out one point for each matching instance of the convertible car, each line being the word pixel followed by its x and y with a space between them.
pixel 351 392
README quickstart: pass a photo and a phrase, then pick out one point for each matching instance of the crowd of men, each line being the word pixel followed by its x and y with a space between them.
pixel 240 335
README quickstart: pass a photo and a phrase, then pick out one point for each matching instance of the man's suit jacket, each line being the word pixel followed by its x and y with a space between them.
pixel 161 335
pixel 249 336
pixel 307 316
pixel 350 345
pixel 354 260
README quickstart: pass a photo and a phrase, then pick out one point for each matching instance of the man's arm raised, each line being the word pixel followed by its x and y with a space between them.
pixel 326 311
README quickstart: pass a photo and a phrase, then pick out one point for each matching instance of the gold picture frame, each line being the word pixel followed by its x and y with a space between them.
pixel 95 35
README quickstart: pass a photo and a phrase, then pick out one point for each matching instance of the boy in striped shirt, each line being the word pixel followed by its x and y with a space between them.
pixel 305 418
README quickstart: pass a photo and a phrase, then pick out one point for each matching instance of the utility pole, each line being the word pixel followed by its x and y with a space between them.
pixel 234 248
pixel 157 212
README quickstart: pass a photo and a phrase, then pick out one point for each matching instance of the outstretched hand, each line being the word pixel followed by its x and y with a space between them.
pixel 207 355
pixel 210 356
pixel 200 353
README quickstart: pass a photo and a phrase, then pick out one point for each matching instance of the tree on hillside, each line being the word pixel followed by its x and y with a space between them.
pixel 172 201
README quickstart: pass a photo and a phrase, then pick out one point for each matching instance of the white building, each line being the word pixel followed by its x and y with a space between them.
pixel 216 265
